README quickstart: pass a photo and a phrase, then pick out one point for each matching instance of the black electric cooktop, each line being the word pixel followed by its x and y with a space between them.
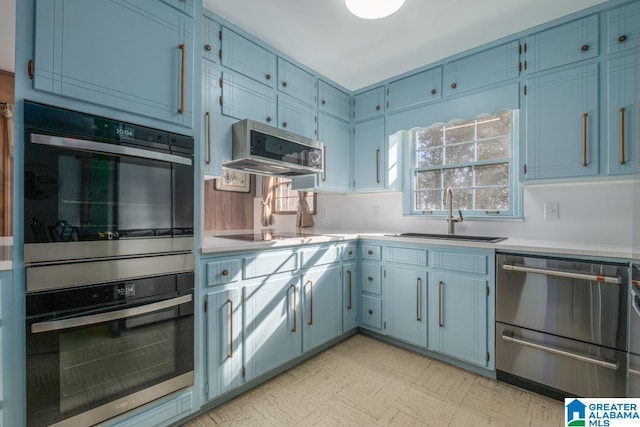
pixel 266 236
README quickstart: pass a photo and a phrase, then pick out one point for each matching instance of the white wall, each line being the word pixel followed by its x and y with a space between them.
pixel 595 212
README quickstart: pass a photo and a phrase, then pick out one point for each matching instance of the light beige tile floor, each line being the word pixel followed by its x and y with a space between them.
pixel 365 382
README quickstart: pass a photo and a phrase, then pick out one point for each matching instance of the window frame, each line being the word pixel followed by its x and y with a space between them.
pixel 274 198
pixel 513 185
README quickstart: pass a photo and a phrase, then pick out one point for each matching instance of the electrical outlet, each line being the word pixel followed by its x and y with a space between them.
pixel 375 210
pixel 551 211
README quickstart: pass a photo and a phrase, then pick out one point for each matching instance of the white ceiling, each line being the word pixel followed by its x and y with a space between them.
pixel 354 52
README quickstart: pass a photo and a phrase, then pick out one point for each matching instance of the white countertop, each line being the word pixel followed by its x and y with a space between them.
pixel 6 250
pixel 215 244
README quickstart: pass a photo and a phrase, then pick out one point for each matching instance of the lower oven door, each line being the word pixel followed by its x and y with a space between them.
pixel 87 368
pixel 558 366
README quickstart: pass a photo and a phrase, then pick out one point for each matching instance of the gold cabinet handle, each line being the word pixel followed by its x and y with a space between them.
pixel 378 166
pixel 230 353
pixel 182 65
pixel 295 310
pixel 324 163
pixel 310 322
pixel 418 280
pixel 208 116
pixel 584 139
pixel 350 305
pixel 440 322
pixel 622 159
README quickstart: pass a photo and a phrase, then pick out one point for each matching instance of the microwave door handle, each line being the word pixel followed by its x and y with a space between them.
pixel 98 147
pixel 565 274
pixel 57 325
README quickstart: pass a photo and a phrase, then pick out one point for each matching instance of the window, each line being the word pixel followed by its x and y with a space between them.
pixel 474 158
pixel 285 200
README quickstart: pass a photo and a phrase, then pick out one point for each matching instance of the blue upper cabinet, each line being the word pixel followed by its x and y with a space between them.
pixel 369 155
pixel 562 124
pixel 184 6
pixel 623 27
pixel 210 39
pixel 415 89
pixel 148 69
pixel 621 115
pixel 333 100
pixel 244 98
pixel 564 44
pixel 248 58
pixel 296 116
pixel 296 82
pixel 369 104
pixel 481 69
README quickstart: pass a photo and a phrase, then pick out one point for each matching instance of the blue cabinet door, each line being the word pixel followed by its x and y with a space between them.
pixel 571 42
pixel 322 307
pixel 210 39
pixel 296 82
pixel 350 295
pixel 415 89
pixel 224 341
pixel 216 148
pixel 369 155
pixel 248 58
pixel 621 115
pixel 334 134
pixel 405 299
pixel 81 52
pixel 481 69
pixel 333 100
pixel 273 319
pixel 244 98
pixel 623 27
pixel 368 104
pixel 458 316
pixel 562 124
pixel 296 116
pixel 371 313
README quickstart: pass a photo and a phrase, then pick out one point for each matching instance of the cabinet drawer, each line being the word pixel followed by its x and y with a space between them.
pixel 248 58
pixel 623 27
pixel 369 104
pixel 371 312
pixel 406 256
pixel 349 252
pixel 372 278
pixel 296 82
pixel 456 261
pixel 333 100
pixel 371 252
pixel 319 256
pixel 412 90
pixel 481 69
pixel 269 263
pixel 565 44
pixel 222 272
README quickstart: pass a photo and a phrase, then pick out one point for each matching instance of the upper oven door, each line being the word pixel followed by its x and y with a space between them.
pixel 79 190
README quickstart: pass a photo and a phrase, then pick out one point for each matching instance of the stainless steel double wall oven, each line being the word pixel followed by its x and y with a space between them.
pixel 108 232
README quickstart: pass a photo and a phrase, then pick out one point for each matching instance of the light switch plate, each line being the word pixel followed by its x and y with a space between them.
pixel 551 211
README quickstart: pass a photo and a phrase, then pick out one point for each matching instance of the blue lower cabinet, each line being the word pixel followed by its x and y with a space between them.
pixel 162 415
pixel 405 299
pixel 224 341
pixel 322 305
pixel 458 317
pixel 350 295
pixel 273 333
pixel 371 313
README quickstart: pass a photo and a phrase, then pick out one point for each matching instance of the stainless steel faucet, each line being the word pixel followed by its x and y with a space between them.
pixel 451 220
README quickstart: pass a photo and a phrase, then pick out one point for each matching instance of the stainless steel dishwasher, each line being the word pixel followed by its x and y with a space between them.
pixel 561 325
pixel 634 341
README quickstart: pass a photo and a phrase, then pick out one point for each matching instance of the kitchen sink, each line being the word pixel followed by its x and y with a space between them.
pixel 461 237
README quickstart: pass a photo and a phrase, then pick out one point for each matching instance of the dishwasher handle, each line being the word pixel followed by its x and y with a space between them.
pixel 509 337
pixel 565 274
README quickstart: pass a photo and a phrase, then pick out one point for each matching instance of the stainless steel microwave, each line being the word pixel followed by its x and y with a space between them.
pixel 265 150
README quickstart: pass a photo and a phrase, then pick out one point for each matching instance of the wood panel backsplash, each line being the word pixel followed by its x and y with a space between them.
pixel 228 210
pixel 6 166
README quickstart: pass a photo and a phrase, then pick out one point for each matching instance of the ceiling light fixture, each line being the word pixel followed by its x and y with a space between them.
pixel 373 9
